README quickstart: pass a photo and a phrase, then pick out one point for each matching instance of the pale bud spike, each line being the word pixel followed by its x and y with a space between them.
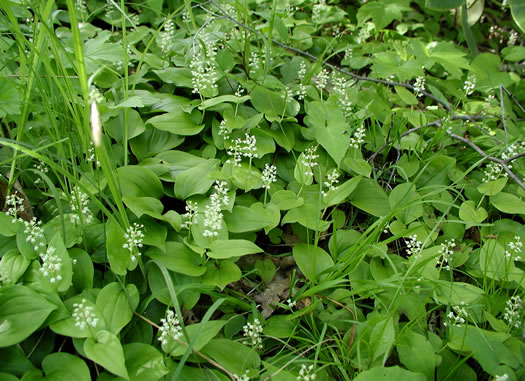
pixel 96 125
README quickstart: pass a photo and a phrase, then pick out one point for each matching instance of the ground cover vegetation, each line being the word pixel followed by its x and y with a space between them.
pixel 258 190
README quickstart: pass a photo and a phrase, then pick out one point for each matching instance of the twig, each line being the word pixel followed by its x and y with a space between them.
pixel 445 104
pixel 501 162
pixel 502 110
pixel 196 352
pixel 436 123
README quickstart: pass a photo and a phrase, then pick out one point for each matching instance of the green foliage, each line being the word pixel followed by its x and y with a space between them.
pixel 262 190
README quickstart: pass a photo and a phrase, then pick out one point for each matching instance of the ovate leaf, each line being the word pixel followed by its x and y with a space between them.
pixel 311 260
pixel 223 249
pixel 107 351
pixel 22 311
pixel 328 123
pixel 388 374
pixel 508 203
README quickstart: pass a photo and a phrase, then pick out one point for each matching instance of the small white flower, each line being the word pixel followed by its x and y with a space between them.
pixel 456 316
pixel 84 315
pixel 306 373
pixel 322 79
pixel 288 95
pixel 203 67
pixel 414 246
pixel 291 303
pixel 170 328
pixel 348 54
pixel 212 213
pixel 253 333
pixel 269 175
pixel 239 91
pixel 492 171
pixel 470 85
pixel 79 207
pixel 331 179
pixel 301 91
pixel 513 312
pixel 514 249
pixel 190 216
pixel 15 205
pixel 244 377
pixel 91 155
pixel 254 63
pixel 302 70
pixel 504 377
pixel 134 238
pixel 446 254
pixel 513 38
pixel 167 36
pixel 242 148
pixel 358 137
pixel 35 233
pixel 51 265
pixel 419 86
pixel 309 160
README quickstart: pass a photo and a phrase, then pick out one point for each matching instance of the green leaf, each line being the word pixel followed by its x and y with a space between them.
pixel 12 266
pixel 221 274
pixel 144 362
pixel 406 96
pixel 371 198
pixel 22 312
pixel 405 199
pixel 107 351
pixel 444 5
pixel 68 327
pixel 144 205
pixel 210 330
pixel 359 166
pixel 243 219
pixel 7 227
pixel 114 305
pixel 517 8
pixel 311 260
pixel 454 293
pixel 286 199
pixel 232 355
pixel 179 258
pixel 152 141
pixel 487 348
pixel 341 192
pixel 272 102
pixel 178 76
pixel 177 122
pixel 383 335
pixel 329 125
pixel 222 99
pixel 64 366
pixel 66 269
pixel 115 126
pixel 83 270
pixel 139 181
pixel 469 213
pixel 381 13
pixel 417 354
pixel 492 188
pixel 119 257
pixel 10 98
pixel 224 249
pixel 195 180
pixel 380 373
pixel 493 261
pixel 508 203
